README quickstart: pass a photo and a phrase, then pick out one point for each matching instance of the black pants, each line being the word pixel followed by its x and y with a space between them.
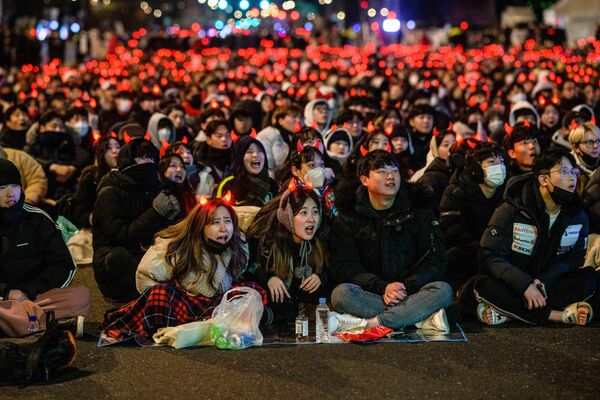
pixel 462 265
pixel 287 311
pixel 574 286
pixel 116 275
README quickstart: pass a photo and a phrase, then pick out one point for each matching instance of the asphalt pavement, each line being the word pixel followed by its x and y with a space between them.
pixel 509 362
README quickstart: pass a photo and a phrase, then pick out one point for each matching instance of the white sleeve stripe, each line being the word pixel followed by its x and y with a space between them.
pixel 72 273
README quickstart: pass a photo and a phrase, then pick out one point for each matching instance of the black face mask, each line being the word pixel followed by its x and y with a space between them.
pixel 145 174
pixel 52 139
pixel 10 216
pixel 561 196
pixel 217 247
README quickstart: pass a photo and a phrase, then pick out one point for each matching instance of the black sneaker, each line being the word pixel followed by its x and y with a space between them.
pixel 72 324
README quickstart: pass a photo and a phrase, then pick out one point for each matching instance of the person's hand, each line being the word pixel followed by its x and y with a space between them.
pixel 395 292
pixel 166 205
pixel 311 284
pixel 277 289
pixel 535 299
pixel 16 294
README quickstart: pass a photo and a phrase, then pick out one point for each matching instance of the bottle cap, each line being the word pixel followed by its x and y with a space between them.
pixel 322 300
pixel 32 318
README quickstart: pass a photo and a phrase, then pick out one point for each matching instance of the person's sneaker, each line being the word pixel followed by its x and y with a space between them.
pixel 436 322
pixel 72 324
pixel 344 322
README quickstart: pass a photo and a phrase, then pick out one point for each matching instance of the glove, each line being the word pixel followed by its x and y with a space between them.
pixel 166 205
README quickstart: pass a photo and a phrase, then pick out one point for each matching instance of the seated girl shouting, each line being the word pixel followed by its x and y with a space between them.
pixel 287 256
pixel 184 274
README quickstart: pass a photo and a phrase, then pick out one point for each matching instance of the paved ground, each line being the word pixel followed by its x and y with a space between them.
pixel 505 362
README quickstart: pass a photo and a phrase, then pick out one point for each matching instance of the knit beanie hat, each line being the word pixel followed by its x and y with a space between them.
pixel 9 174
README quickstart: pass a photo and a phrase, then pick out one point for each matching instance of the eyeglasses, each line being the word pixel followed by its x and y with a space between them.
pixel 591 143
pixel 566 171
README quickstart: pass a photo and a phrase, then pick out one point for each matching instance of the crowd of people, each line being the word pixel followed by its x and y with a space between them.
pixel 395 182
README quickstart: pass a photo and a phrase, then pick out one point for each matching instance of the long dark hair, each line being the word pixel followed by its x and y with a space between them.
pixel 267 229
pixel 188 244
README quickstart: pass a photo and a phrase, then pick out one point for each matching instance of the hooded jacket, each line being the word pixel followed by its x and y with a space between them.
pixel 591 197
pixel 373 249
pixel 465 212
pixel 153 123
pixel 522 105
pixel 517 245
pixel 337 162
pixel 308 115
pixel 277 147
pixel 123 214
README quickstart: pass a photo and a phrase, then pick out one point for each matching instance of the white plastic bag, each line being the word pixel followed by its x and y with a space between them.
pixel 192 334
pixel 235 321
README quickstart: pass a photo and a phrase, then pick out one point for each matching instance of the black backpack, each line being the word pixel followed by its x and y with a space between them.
pixel 36 357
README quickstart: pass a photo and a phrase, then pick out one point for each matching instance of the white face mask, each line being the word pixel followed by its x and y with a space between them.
pixel 317 177
pixel 495 175
pixel 164 134
pixel 124 106
pixel 80 128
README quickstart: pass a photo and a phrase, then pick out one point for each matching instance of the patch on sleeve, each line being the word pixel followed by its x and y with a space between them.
pixel 524 238
pixel 569 238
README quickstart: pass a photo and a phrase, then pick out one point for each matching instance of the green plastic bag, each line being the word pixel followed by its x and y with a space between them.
pixel 66 227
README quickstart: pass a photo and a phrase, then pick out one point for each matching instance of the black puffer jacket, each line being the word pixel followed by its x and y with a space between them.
pixel 464 211
pixel 33 256
pixel 517 246
pixel 123 214
pixel 437 175
pixel 591 197
pixel 373 249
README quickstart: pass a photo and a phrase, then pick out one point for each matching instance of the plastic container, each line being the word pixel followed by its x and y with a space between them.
pixel 322 322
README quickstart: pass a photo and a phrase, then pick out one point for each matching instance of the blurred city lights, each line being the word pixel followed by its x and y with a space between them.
pixel 391 25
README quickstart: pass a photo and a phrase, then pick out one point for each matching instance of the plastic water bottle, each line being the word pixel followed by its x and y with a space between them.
pixel 34 324
pixel 301 323
pixel 322 321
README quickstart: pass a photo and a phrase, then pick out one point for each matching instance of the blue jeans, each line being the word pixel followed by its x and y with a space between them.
pixel 352 299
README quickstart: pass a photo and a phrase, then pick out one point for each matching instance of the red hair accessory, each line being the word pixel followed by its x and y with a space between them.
pixel 126 137
pixel 114 135
pixel 574 124
pixel 593 120
pixel 97 136
pixel 234 137
pixel 363 151
pixel 389 130
pixel 253 133
pixel 527 124
pixel 388 147
pixel 508 129
pixel 371 127
pixel 184 140
pixel 436 133
pixel 147 136
pixel 451 126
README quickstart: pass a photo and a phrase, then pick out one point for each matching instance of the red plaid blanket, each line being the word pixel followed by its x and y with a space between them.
pixel 162 305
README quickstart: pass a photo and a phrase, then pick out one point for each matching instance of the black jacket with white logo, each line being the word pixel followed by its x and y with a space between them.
pixel 518 247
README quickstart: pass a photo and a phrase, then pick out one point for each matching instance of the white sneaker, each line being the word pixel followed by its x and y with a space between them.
pixel 344 322
pixel 436 322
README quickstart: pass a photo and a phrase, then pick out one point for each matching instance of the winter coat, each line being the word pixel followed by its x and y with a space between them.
pixel 153 123
pixel 308 116
pixel 465 212
pixel 123 216
pixel 403 244
pixel 277 148
pixel 33 179
pixel 584 176
pixel 85 198
pixel 591 197
pixel 154 269
pixel 517 246
pixel 34 257
pixel 436 175
pixel 239 192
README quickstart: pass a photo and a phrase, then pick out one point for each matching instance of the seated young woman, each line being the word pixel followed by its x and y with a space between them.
pixel 172 174
pixel 287 257
pixel 250 183
pixel 184 274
